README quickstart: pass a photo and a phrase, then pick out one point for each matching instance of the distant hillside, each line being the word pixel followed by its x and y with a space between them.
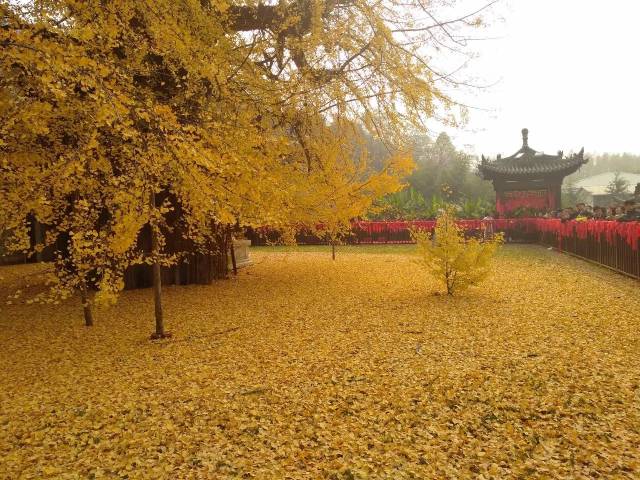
pixel 607 162
pixel 599 184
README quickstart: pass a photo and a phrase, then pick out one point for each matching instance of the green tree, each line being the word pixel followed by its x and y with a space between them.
pixel 571 195
pixel 407 204
pixel 618 184
pixel 440 166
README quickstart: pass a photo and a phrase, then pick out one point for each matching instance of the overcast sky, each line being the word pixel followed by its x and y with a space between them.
pixel 568 70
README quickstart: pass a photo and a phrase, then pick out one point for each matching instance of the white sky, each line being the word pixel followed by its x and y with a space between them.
pixel 568 70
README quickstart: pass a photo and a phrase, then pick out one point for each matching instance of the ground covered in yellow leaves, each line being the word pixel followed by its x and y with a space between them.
pixel 306 368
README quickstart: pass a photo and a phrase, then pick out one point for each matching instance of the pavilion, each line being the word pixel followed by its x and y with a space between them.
pixel 529 179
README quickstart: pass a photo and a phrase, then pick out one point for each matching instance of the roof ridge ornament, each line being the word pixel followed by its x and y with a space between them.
pixel 528 163
pixel 525 138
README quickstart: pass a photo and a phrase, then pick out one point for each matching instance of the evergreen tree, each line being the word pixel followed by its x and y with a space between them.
pixel 618 184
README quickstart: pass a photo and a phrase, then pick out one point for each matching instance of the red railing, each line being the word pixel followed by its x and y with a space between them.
pixel 608 243
pixel 365 232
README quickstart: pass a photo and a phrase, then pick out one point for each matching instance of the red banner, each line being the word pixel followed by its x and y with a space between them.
pixel 510 200
pixel 629 231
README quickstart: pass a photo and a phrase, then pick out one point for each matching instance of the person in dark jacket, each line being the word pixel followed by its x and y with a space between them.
pixel 631 213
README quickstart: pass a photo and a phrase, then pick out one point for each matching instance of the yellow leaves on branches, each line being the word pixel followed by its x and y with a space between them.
pixel 451 257
pixel 238 118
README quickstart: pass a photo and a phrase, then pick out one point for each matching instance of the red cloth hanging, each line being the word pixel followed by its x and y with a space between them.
pixel 609 230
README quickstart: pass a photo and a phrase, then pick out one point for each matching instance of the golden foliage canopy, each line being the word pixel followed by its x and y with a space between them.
pixel 244 113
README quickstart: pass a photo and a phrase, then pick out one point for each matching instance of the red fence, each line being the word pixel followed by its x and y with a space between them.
pixel 608 243
pixel 611 244
pixel 398 231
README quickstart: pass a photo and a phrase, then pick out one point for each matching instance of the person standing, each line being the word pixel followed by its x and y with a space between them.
pixel 487 227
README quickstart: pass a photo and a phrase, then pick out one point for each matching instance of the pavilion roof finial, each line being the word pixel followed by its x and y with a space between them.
pixel 527 163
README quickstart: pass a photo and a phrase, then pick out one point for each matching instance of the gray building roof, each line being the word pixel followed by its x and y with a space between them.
pixel 529 162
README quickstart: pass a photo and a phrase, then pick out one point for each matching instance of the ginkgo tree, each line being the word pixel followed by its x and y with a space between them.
pixel 448 255
pixel 115 114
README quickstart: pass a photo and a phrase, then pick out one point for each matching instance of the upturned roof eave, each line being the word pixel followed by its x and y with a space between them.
pixel 489 173
pixel 527 163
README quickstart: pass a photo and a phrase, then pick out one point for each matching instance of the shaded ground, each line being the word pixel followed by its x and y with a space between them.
pixel 306 368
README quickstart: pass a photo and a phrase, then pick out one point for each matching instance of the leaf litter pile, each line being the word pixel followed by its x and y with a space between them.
pixel 306 368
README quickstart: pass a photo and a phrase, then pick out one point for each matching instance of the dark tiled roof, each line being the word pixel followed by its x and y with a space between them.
pixel 527 161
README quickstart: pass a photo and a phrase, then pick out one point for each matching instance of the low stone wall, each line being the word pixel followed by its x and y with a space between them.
pixel 241 251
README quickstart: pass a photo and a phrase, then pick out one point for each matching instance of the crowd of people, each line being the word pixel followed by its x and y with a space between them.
pixel 629 211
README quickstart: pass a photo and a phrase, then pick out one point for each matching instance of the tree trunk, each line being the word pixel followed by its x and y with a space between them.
pixel 157 299
pixel 38 236
pixel 233 255
pixel 88 316
pixel 220 259
pixel 157 279
pixel 333 250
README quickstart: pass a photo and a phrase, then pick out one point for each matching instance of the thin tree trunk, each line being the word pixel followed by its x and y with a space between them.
pixel 88 316
pixel 157 279
pixel 38 237
pixel 233 254
pixel 333 250
pixel 221 260
pixel 157 298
